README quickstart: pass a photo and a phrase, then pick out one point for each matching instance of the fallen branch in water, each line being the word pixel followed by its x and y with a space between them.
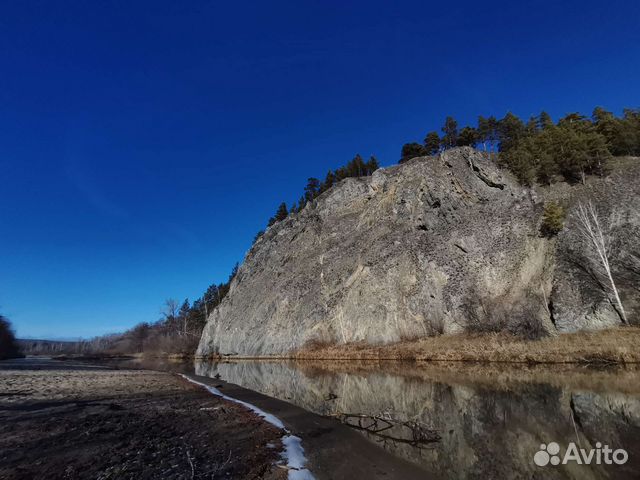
pixel 418 434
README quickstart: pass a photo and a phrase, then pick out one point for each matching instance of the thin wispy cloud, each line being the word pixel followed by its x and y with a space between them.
pixel 93 194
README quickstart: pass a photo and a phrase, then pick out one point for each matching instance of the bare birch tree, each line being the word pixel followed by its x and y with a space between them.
pixel 170 315
pixel 599 243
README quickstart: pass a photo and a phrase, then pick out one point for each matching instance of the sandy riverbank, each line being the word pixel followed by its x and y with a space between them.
pixel 67 420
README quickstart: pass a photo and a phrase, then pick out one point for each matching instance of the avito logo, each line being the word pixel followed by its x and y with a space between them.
pixel 550 454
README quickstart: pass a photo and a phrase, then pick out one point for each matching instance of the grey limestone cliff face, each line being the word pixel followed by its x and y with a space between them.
pixel 581 297
pixel 435 245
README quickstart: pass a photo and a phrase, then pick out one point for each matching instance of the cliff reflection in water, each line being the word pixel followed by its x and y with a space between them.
pixel 490 420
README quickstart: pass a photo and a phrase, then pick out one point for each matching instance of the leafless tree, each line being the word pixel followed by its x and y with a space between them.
pixel 177 319
pixel 598 242
pixel 170 311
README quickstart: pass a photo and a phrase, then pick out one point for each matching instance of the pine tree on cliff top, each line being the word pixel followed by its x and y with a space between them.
pixel 432 143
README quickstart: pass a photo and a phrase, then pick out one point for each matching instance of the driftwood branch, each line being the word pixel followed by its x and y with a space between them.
pixel 190 460
pixel 387 428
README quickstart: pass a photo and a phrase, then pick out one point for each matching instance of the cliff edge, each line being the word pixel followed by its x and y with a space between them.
pixel 436 245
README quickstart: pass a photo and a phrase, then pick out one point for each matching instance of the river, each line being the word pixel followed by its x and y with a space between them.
pixel 465 420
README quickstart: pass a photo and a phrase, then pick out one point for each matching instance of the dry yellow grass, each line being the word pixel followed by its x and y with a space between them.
pixel 616 345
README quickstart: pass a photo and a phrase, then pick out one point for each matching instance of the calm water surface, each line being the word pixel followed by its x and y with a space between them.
pixel 487 421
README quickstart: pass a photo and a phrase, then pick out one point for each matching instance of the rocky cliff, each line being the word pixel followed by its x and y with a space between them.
pixel 435 245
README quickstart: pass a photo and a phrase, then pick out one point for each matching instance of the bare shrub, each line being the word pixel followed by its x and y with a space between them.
pixel 315 344
pixel 499 314
pixel 411 337
pixel 528 327
pixel 434 326
pixel 170 343
pixel 482 316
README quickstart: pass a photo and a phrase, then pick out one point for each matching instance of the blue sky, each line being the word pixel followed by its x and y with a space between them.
pixel 143 144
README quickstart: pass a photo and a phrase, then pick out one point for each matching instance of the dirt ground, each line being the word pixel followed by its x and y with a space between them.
pixel 64 421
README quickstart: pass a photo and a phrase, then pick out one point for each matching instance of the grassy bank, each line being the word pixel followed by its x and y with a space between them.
pixel 616 345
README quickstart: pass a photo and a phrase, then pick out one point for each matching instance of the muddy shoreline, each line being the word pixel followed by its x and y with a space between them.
pixel 66 420
pixel 70 419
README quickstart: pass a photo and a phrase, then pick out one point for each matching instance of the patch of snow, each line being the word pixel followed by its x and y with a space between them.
pixel 293 452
